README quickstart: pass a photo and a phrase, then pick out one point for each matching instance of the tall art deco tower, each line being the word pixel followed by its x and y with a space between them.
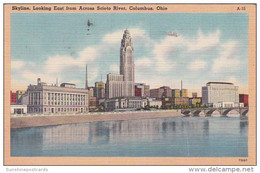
pixel 127 64
pixel 122 85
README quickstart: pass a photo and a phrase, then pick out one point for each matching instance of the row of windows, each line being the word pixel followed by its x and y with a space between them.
pixel 34 98
pixel 66 103
pixel 57 99
pixel 116 78
pixel 116 90
pixel 55 110
pixel 62 96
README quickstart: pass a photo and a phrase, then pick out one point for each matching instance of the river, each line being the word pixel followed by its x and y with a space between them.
pixel 161 137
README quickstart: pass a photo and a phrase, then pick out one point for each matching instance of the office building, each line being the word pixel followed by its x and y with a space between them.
pixel 175 92
pixel 12 97
pixel 194 94
pixel 139 87
pixel 156 93
pixel 184 93
pixel 181 101
pixel 99 90
pixel 91 92
pixel 146 90
pixel 138 91
pixel 114 86
pixel 142 90
pixel 175 101
pixel 243 98
pixel 216 92
pixel 162 92
pixel 93 104
pixel 167 91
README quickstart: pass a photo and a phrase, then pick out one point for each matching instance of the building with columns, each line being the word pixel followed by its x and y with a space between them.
pixel 66 98
pixel 123 85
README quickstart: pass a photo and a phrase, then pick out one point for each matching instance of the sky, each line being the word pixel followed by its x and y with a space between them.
pixel 209 47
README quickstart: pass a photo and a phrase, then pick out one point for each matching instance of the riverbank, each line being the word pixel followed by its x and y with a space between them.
pixel 36 121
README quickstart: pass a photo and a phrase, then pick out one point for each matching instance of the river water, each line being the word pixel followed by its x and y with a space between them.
pixel 162 137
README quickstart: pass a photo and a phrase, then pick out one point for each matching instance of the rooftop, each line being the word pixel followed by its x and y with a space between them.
pixel 68 83
pixel 227 83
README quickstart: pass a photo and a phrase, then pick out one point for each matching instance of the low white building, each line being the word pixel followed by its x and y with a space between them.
pixel 18 109
pixel 154 103
pixel 227 105
pixel 125 103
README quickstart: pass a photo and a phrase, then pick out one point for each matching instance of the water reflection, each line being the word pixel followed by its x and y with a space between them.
pixel 192 136
pixel 243 127
pixel 206 127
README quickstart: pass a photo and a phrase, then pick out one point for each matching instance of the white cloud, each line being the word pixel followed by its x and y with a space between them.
pixel 144 62
pixel 58 63
pixel 203 41
pixel 228 60
pixel 58 66
pixel 197 65
pixel 87 55
pixel 139 36
pixel 114 37
pixel 164 51
pixel 31 76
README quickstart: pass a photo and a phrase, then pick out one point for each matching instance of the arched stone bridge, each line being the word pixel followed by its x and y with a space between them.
pixel 242 111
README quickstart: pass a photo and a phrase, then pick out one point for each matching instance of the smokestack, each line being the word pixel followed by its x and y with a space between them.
pixel 86 80
pixel 181 88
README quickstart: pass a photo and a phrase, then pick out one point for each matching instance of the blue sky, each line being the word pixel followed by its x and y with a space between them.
pixel 210 47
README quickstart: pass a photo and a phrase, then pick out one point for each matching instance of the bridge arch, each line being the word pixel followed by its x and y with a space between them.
pixel 244 112
pixel 186 112
pixel 225 113
pixel 197 113
pixel 209 113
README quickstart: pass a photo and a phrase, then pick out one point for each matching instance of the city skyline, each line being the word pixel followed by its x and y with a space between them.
pixel 54 46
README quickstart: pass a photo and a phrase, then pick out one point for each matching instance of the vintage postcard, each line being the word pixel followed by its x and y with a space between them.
pixel 130 84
